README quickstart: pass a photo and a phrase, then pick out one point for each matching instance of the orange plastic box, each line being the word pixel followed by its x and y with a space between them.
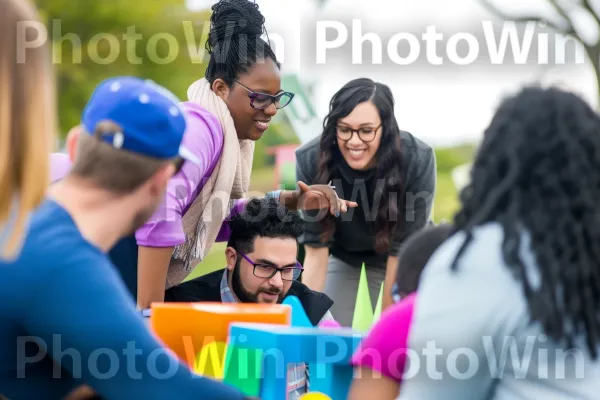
pixel 186 328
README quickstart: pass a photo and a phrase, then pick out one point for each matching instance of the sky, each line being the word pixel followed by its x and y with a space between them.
pixel 441 104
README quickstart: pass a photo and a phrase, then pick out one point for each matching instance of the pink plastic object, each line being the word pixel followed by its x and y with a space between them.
pixel 330 323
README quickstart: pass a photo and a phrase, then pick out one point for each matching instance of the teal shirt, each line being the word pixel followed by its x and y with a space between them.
pixel 63 295
pixel 471 337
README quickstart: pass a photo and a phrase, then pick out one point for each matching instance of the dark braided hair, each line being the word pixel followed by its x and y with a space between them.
pixel 538 169
pixel 234 42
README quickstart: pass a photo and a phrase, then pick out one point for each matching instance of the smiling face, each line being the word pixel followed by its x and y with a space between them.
pixel 360 153
pixel 251 123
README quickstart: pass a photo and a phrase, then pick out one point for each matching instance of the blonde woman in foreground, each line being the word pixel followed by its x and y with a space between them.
pixel 27 123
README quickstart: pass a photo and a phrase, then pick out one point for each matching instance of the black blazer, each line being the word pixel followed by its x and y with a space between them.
pixel 208 288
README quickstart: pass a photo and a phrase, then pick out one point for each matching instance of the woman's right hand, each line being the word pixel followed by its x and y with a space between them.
pixel 316 197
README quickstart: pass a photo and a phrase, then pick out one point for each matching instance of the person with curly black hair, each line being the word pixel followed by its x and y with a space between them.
pixel 390 173
pixel 262 267
pixel 509 303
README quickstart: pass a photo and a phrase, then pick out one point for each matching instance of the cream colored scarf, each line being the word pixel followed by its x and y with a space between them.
pixel 229 181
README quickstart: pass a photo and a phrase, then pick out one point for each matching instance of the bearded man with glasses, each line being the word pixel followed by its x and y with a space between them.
pixel 261 268
pixel 261 264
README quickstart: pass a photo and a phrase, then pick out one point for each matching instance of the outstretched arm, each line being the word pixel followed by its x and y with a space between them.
pixel 86 320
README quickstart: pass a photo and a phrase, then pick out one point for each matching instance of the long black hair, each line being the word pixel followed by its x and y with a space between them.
pixel 388 168
pixel 538 168
pixel 234 42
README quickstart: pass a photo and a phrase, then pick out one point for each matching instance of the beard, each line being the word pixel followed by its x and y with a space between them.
pixel 245 296
pixel 139 220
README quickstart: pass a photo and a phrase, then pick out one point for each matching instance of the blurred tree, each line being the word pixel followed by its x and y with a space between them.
pixel 160 40
pixel 566 14
pixel 95 39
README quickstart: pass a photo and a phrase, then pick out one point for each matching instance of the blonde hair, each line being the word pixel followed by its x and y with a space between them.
pixel 27 119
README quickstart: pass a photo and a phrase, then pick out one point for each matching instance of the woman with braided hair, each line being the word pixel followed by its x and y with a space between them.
pixel 228 110
pixel 511 300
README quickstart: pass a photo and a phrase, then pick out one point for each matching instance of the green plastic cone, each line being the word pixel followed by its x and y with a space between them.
pixel 363 310
pixel 377 313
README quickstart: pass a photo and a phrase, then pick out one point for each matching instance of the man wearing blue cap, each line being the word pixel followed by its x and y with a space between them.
pixel 67 318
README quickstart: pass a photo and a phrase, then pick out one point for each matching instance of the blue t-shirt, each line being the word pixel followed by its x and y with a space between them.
pixel 64 294
pixel 124 256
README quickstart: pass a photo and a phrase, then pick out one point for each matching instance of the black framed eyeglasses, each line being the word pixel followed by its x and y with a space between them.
pixel 260 101
pixel 366 134
pixel 268 271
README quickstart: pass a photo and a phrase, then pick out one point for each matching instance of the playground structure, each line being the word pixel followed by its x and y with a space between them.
pixel 250 345
pixel 285 165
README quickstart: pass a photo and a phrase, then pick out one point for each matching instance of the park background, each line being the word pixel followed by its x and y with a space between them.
pixel 447 107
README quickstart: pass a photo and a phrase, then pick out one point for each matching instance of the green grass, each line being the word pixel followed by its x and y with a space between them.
pixel 215 260
pixel 263 180
pixel 446 198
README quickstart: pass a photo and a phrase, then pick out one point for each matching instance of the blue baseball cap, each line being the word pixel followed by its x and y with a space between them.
pixel 152 123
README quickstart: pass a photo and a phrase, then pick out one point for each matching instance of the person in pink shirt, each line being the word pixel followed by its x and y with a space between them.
pixel 227 112
pixel 60 164
pixel 381 358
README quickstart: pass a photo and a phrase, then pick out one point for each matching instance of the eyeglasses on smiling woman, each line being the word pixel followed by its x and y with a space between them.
pixel 267 271
pixel 365 133
pixel 260 101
